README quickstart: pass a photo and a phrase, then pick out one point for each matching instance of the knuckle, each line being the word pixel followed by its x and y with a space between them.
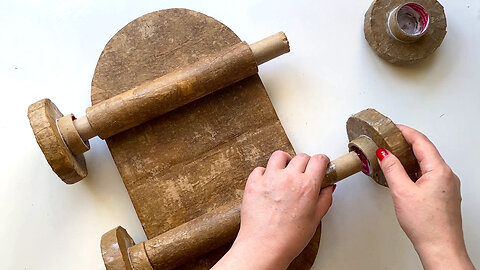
pixel 255 171
pixel 303 155
pixel 308 182
pixel 321 158
pixel 259 169
pixel 279 154
pixel 255 175
pixel 308 189
pixel 446 171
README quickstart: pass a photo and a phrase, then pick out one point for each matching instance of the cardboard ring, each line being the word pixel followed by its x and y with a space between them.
pixel 365 148
pixel 396 51
pixel 70 135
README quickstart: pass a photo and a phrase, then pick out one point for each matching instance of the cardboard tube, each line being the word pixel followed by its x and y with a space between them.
pixel 84 129
pixel 212 230
pixel 138 257
pixel 173 90
pixel 408 22
pixel 270 47
pixel 342 168
pixel 187 241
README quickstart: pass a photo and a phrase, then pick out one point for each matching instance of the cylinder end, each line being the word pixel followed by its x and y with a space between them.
pixel 270 47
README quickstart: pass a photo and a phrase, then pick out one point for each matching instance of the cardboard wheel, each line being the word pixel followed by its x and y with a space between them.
pixel 386 134
pixel 400 52
pixel 43 116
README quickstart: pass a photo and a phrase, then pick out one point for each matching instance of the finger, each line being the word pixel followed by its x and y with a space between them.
pixel 325 200
pixel 316 167
pixel 278 160
pixel 426 153
pixel 258 171
pixel 254 177
pixel 393 170
pixel 299 163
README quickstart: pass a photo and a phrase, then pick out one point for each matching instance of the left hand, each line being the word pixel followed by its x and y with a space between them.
pixel 281 210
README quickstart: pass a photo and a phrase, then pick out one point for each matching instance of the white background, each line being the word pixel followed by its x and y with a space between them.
pixel 50 49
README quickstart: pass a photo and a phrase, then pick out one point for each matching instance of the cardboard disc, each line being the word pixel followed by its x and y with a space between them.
pixel 398 52
pixel 114 246
pixel 385 134
pixel 43 117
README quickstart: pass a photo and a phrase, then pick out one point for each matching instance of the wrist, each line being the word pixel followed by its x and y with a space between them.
pixel 444 256
pixel 258 255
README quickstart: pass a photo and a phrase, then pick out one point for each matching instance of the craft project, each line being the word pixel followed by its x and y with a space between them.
pixel 176 96
pixel 367 131
pixel 186 118
pixel 403 32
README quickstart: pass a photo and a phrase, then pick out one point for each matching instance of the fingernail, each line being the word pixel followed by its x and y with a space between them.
pixel 334 187
pixel 381 153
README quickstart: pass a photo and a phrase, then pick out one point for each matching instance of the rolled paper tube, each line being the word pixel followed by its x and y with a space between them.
pixel 212 230
pixel 138 257
pixel 173 90
pixel 342 168
pixel 187 241
pixel 270 47
pixel 84 128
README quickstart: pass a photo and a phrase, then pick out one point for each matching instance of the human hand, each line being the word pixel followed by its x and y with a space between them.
pixel 281 210
pixel 428 210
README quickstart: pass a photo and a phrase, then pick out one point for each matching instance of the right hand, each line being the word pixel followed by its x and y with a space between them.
pixel 428 210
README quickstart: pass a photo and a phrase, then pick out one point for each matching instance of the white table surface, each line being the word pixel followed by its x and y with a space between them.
pixel 50 49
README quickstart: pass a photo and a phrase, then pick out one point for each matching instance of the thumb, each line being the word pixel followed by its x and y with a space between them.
pixel 393 170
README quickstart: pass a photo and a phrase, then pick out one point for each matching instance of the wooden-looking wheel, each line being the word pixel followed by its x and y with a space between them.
pixel 43 116
pixel 384 133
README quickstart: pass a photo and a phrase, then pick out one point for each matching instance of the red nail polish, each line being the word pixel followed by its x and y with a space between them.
pixel 334 187
pixel 381 153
